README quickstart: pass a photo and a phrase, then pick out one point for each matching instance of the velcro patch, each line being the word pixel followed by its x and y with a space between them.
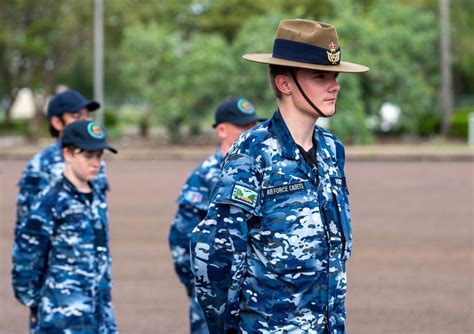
pixel 244 195
pixel 286 189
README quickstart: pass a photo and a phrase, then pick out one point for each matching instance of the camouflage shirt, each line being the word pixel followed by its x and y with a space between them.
pixel 270 256
pixel 193 203
pixel 61 262
pixel 42 170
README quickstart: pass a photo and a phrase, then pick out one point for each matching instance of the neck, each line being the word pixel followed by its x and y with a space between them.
pixel 300 125
pixel 81 185
pixel 225 148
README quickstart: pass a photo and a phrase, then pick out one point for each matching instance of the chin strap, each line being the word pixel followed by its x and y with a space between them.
pixel 293 75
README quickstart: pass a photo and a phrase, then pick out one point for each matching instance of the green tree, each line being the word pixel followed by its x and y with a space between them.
pixel 36 40
pixel 398 43
pixel 251 79
pixel 181 80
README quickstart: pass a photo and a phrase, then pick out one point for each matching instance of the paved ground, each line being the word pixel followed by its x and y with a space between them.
pixel 412 264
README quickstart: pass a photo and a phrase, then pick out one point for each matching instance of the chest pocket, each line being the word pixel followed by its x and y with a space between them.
pixel 341 199
pixel 73 237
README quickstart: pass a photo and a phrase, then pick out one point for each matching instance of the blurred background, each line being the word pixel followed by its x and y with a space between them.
pixel 160 68
pixel 167 64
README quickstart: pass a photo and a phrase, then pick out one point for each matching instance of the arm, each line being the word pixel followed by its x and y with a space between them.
pixel 185 220
pixel 32 181
pixel 219 246
pixel 30 253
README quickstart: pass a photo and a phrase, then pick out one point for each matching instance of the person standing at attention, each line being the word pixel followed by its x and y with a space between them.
pixel 270 256
pixel 47 166
pixel 61 258
pixel 233 117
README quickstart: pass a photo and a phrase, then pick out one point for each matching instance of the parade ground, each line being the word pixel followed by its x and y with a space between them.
pixel 411 270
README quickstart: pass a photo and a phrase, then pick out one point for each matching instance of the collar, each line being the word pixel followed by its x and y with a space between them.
pixel 278 129
pixel 218 156
pixel 71 188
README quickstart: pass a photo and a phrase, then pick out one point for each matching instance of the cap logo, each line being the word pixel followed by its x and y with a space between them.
pixel 95 131
pixel 245 106
pixel 333 56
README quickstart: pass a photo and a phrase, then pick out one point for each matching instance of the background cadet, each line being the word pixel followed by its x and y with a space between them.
pixel 232 118
pixel 270 256
pixel 48 165
pixel 61 260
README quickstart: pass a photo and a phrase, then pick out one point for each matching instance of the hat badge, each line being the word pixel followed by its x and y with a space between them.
pixel 95 131
pixel 333 56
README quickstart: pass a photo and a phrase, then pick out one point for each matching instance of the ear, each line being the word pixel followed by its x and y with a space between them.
pixel 221 131
pixel 282 84
pixel 57 123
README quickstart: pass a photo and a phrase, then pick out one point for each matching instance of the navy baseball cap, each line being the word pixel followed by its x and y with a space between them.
pixel 87 135
pixel 69 101
pixel 238 111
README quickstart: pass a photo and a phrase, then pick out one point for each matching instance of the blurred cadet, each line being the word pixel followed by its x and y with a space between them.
pixel 61 259
pixel 48 165
pixel 270 256
pixel 232 118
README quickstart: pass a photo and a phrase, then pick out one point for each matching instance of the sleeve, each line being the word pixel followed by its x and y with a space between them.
pixel 32 181
pixel 184 222
pixel 219 244
pixel 218 247
pixel 341 160
pixel 30 253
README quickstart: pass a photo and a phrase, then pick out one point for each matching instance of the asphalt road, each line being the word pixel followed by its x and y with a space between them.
pixel 411 269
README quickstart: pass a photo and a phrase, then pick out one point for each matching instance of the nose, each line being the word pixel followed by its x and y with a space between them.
pixel 95 161
pixel 84 114
pixel 334 87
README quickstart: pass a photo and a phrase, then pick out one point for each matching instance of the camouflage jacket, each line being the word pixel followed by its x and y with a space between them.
pixel 61 262
pixel 193 202
pixel 271 254
pixel 42 170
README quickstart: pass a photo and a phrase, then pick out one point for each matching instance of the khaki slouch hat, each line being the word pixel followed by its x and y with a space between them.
pixel 307 44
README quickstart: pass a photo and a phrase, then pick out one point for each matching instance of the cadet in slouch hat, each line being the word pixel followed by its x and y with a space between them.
pixel 270 256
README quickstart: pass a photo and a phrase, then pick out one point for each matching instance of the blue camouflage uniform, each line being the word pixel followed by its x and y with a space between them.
pixel 270 257
pixel 42 170
pixel 193 203
pixel 61 262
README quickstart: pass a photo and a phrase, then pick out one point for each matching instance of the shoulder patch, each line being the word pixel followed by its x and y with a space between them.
pixel 193 196
pixel 244 195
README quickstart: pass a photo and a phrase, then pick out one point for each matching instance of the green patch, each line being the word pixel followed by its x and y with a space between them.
pixel 244 195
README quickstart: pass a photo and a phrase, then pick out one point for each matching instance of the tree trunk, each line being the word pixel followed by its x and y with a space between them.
pixel 8 111
pixel 446 75
pixel 34 126
pixel 144 127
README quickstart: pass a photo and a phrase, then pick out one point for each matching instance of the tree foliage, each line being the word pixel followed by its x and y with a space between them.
pixel 178 59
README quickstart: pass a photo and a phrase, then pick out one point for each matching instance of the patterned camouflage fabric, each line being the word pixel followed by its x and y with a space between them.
pixel 61 262
pixel 270 257
pixel 193 203
pixel 42 170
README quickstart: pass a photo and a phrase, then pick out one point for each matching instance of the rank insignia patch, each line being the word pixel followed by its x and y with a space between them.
pixel 244 195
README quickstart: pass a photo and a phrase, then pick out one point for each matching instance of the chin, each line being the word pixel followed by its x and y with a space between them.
pixel 329 113
pixel 90 177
